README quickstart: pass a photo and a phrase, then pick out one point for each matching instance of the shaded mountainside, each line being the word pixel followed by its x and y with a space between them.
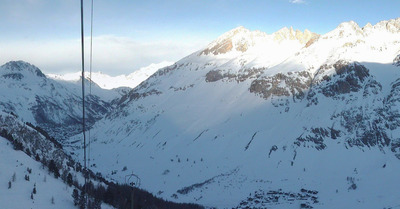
pixel 54 106
pixel 274 121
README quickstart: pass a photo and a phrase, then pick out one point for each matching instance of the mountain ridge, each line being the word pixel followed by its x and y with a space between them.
pixel 108 82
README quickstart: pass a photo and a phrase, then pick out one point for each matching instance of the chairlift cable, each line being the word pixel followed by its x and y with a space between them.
pixel 83 96
pixel 90 68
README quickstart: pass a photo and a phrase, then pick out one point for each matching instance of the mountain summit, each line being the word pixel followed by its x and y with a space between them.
pixel 241 39
pixel 17 69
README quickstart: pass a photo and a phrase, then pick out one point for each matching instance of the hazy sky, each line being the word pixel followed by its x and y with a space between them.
pixel 129 34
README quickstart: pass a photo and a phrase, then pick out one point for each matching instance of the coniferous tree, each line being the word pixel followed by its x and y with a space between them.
pixel 75 196
pixel 9 184
pixel 37 158
pixel 28 152
pixel 89 204
pixel 82 200
pixel 96 204
pixel 64 175
pixel 34 189
pixel 14 177
pixel 69 179
pixel 53 168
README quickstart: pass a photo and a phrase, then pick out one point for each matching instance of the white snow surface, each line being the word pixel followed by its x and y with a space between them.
pixel 19 195
pixel 194 132
pixel 111 82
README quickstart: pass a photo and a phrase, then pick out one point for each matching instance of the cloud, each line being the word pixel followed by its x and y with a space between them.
pixel 297 1
pixel 111 54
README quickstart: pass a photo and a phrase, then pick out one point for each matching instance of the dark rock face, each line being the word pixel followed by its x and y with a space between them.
pixel 396 61
pixel 363 126
pixel 363 130
pixel 165 71
pixel 390 111
pixel 243 75
pixel 213 76
pixel 15 76
pixel 291 84
pixel 135 94
pixel 315 137
pixel 348 78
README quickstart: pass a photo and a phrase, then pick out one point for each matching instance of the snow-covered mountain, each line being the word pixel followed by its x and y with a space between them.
pixel 112 82
pixel 284 120
pixel 53 105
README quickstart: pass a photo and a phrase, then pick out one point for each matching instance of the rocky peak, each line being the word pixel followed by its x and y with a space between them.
pixel 396 61
pixel 241 39
pixel 368 25
pixel 16 69
pixel 392 25
pixel 238 39
pixel 290 34
pixel 346 29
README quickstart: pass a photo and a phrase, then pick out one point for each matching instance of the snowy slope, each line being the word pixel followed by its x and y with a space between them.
pixel 26 155
pixel 285 120
pixel 19 195
pixel 111 82
pixel 54 105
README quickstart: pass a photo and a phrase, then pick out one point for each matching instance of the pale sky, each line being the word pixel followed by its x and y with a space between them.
pixel 129 34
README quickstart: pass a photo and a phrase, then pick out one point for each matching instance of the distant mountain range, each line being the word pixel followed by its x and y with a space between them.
pixel 112 82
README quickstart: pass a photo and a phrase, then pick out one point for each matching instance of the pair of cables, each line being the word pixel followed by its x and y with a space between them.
pixel 83 86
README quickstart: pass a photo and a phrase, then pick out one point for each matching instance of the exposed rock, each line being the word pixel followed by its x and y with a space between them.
pixel 214 75
pixel 315 137
pixel 290 34
pixel 15 76
pixel 349 78
pixel 392 25
pixel 293 84
pixel 239 39
pixel 396 61
pixel 312 40
pixel 220 48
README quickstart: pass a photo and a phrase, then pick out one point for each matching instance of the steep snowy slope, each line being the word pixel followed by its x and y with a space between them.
pixel 285 120
pixel 35 171
pixel 109 82
pixel 55 106
pixel 17 193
